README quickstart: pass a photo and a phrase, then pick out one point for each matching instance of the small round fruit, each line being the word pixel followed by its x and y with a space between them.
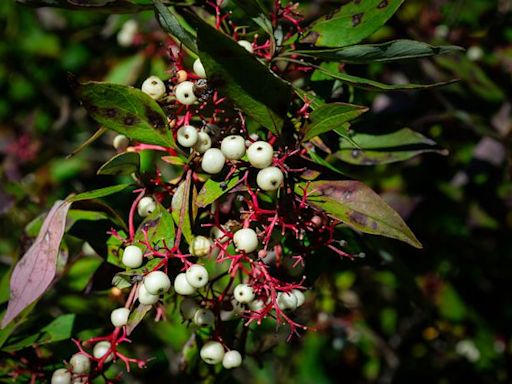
pixel 204 318
pixel 101 349
pixel 145 297
pixel 232 359
pixel 185 93
pixel 61 376
pixel 260 154
pixel 181 76
pixel 197 276
pixel 233 147
pixel 154 87
pixel 243 293
pixel 119 316
pixel 212 352
pixel 199 69
pixel 127 33
pixel 157 282
pixel 245 240
pixel 182 286
pixel 187 136
pixel 146 206
pixel 247 45
pixel 270 178
pixel 132 256
pixel 188 308
pixel 200 246
pixel 121 142
pixel 287 300
pixel 213 161
pixel 80 363
pixel 204 142
pixel 300 297
pixel 257 305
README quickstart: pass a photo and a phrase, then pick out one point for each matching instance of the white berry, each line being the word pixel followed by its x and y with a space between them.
pixel 270 178
pixel 232 359
pixel 188 308
pixel 101 349
pixel 199 69
pixel 119 316
pixel 212 352
pixel 300 297
pixel 187 136
pixel 145 297
pixel 182 286
pixel 245 240
pixel 213 161
pixel 287 300
pixel 200 246
pixel 233 147
pixel 61 376
pixel 154 87
pixel 243 293
pixel 157 282
pixel 132 256
pixel 257 305
pixel 146 206
pixel 247 45
pixel 204 318
pixel 120 143
pixel 204 142
pixel 197 276
pixel 80 363
pixel 127 33
pixel 260 154
pixel 185 93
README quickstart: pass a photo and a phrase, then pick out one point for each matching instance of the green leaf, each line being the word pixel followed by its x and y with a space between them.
pixel 351 23
pixel 358 206
pixel 94 5
pixel 126 110
pixel 159 226
pixel 59 329
pixel 124 163
pixel 385 52
pixel 366 149
pixel 240 75
pixel 331 116
pixel 169 23
pixel 125 279
pixel 136 316
pixel 127 70
pixel 81 272
pixel 180 205
pixel 212 190
pixel 257 12
pixel 97 193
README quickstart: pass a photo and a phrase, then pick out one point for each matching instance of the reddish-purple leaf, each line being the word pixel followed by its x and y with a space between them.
pixel 35 271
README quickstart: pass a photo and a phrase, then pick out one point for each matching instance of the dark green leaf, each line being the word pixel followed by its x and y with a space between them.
pixel 241 76
pixel 80 273
pixel 257 12
pixel 331 116
pixel 170 24
pixel 94 5
pixel 358 206
pixel 212 190
pixel 136 316
pixel 97 193
pixel 351 23
pixel 126 110
pixel 385 52
pixel 124 163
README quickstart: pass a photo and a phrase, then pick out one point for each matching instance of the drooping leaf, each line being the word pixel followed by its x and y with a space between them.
pixel 241 76
pixel 97 193
pixel 351 23
pixel 212 190
pixel 34 273
pixel 126 110
pixel 124 163
pixel 180 205
pixel 169 23
pixel 358 206
pixel 366 149
pixel 331 116
pixel 384 52
pixel 159 226
pixel 136 316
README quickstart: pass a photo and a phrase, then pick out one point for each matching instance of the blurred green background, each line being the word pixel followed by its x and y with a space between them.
pixel 439 315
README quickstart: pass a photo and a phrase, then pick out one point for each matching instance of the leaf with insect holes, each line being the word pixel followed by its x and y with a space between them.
pixel 356 205
pixel 384 52
pixel 124 163
pixel 240 75
pixel 331 116
pixel 126 110
pixel 170 23
pixel 213 189
pixel 36 270
pixel 366 149
pixel 352 22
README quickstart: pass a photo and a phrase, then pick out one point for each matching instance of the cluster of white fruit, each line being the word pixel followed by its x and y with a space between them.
pixel 213 352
